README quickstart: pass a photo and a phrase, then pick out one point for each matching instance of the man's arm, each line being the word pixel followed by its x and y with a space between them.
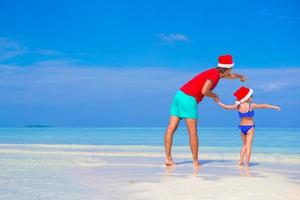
pixel 206 90
pixel 235 76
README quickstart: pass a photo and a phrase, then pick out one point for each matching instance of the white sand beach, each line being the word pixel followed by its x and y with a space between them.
pixel 124 172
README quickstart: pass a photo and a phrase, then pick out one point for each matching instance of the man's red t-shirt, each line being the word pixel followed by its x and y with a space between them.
pixel 194 86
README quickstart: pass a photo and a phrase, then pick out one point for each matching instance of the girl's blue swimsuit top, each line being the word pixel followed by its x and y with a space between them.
pixel 250 113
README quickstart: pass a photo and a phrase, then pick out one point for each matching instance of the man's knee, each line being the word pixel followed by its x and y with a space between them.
pixel 171 130
pixel 192 123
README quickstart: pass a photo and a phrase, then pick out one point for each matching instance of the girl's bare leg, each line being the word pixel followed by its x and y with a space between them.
pixel 243 149
pixel 249 139
pixel 173 124
pixel 192 129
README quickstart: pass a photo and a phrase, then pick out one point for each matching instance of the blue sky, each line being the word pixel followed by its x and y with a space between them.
pixel 117 63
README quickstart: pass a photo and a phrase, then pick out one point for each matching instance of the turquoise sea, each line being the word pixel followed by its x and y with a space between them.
pixel 279 140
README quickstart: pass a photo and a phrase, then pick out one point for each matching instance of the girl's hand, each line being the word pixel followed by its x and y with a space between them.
pixel 217 99
pixel 277 108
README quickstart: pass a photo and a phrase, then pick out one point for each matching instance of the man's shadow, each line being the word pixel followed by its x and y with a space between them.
pixel 204 162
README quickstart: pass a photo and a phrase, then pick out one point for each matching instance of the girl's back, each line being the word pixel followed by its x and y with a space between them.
pixel 245 107
pixel 246 113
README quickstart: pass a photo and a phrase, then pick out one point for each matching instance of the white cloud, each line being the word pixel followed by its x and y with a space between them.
pixel 279 15
pixel 70 86
pixel 156 78
pixel 277 85
pixel 272 80
pixel 10 48
pixel 173 37
pixel 67 74
pixel 46 52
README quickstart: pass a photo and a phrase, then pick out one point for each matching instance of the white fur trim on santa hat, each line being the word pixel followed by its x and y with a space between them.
pixel 225 65
pixel 245 98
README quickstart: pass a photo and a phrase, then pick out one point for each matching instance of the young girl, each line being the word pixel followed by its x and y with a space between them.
pixel 245 109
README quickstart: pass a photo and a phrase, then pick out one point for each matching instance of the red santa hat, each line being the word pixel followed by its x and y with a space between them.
pixel 225 61
pixel 243 94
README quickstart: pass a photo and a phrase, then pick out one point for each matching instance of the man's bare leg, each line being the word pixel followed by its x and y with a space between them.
pixel 173 124
pixel 192 128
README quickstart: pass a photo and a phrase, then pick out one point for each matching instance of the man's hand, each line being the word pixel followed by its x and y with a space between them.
pixel 277 108
pixel 243 78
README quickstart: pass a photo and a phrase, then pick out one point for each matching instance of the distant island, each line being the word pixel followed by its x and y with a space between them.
pixel 38 126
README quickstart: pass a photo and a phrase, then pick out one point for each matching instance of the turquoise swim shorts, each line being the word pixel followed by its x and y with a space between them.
pixel 184 106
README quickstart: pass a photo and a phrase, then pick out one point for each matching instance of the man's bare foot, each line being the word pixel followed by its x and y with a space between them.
pixel 196 164
pixel 169 163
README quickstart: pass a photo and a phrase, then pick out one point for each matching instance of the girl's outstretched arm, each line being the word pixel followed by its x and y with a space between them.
pixel 228 107
pixel 254 105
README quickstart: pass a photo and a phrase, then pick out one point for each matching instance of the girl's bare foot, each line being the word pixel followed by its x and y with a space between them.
pixel 247 164
pixel 169 163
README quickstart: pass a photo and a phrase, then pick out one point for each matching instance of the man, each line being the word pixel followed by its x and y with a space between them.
pixel 184 105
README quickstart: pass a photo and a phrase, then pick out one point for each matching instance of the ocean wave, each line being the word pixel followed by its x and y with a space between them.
pixel 136 151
